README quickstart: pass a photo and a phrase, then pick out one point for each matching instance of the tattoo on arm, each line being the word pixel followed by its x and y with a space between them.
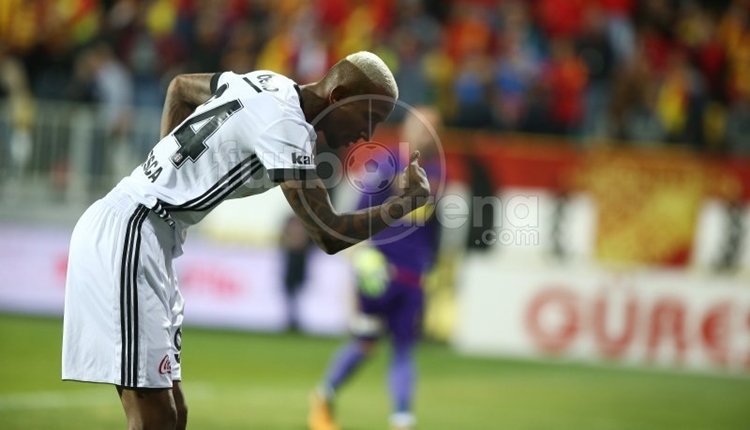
pixel 331 231
pixel 185 93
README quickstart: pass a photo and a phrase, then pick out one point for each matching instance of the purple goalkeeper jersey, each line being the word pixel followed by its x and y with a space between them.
pixel 404 245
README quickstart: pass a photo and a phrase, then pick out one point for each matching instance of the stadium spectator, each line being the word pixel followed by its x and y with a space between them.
pixel 17 146
pixel 109 83
pixel 595 48
pixel 738 127
pixel 565 79
pixel 518 66
pixel 632 109
pixel 472 92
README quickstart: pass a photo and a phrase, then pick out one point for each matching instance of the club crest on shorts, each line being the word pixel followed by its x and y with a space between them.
pixel 165 366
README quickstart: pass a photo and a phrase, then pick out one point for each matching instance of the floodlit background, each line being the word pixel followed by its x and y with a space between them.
pixel 594 268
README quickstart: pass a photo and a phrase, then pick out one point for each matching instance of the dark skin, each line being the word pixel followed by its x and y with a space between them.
pixel 331 106
pixel 154 408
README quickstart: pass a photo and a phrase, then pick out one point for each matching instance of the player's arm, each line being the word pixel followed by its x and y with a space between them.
pixel 185 93
pixel 333 231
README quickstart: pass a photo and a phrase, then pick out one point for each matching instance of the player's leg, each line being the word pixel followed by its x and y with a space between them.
pixel 151 393
pixel 366 328
pixel 404 325
pixel 402 381
pixel 181 405
pixel 344 365
pixel 149 408
pixel 346 362
pixel 349 358
pixel 154 408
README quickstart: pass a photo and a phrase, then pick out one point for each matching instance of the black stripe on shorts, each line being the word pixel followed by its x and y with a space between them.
pixel 129 299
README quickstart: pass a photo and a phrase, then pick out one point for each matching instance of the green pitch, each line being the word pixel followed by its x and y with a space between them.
pixel 250 381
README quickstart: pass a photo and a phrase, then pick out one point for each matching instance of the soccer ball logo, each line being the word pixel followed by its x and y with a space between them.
pixel 370 167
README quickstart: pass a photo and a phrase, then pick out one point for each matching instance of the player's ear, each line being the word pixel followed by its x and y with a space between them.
pixel 337 93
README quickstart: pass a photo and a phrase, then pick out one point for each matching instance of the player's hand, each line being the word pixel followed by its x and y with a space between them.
pixel 414 180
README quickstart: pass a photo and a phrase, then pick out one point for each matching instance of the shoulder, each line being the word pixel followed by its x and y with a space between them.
pixel 273 88
pixel 258 82
pixel 270 81
pixel 276 84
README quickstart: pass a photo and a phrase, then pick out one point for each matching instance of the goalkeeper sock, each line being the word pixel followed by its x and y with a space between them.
pixel 402 377
pixel 347 361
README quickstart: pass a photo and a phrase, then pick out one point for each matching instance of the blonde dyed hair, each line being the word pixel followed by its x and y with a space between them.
pixel 375 70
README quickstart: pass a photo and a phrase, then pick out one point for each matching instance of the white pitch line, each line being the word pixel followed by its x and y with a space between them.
pixel 57 400
pixel 80 398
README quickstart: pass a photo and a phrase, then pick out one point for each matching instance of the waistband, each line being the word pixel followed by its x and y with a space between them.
pixel 159 210
pixel 406 276
pixel 121 200
pixel 167 228
pixel 124 201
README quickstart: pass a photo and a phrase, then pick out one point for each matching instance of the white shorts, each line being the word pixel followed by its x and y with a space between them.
pixel 123 309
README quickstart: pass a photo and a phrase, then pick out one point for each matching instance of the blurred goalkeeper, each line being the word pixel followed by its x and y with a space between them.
pixel 224 136
pixel 390 297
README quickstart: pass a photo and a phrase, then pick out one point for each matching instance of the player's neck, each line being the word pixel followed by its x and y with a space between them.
pixel 314 102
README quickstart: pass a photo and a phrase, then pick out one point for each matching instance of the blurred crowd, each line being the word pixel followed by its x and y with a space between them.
pixel 637 72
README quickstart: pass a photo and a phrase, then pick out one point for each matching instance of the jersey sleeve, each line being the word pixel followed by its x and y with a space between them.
pixel 286 150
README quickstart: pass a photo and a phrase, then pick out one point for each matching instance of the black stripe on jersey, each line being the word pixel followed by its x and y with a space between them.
pixel 193 202
pixel 214 82
pixel 255 87
pixel 299 94
pixel 129 260
pixel 243 176
pixel 226 181
pixel 281 175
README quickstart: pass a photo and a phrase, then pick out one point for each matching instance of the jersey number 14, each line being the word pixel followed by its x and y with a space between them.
pixel 192 143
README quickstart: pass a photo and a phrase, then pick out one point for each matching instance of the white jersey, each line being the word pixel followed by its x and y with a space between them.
pixel 245 140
